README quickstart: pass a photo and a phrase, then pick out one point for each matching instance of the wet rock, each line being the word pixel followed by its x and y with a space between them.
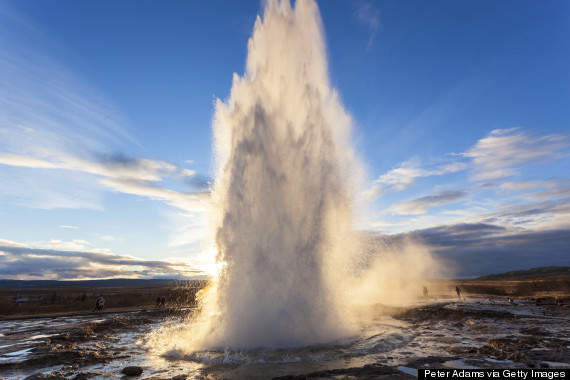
pixel 441 313
pixel 500 349
pixel 513 344
pixel 132 370
pixel 462 351
pixel 51 376
pixel 180 377
pixel 57 338
pixel 46 356
pixel 86 375
pixel 533 331
pixel 369 371
pixel 430 361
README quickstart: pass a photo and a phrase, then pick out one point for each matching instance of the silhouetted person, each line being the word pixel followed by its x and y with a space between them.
pixel 162 301
pixel 101 304
pixel 97 304
pixel 425 290
pixel 459 291
pixel 157 302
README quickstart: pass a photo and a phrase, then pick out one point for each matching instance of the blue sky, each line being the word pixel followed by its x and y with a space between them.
pixel 461 115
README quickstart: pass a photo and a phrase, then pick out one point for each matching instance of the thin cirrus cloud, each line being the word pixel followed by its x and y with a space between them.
pixel 495 157
pixel 56 130
pixel 560 192
pixel 526 185
pixel 369 16
pixel 49 118
pixel 540 214
pixel 488 174
pixel 136 169
pixel 422 205
pixel 498 154
pixel 39 94
pixel 194 201
pixel 406 175
pixel 122 174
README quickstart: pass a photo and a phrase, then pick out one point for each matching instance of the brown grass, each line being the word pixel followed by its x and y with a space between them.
pixel 70 300
pixel 556 288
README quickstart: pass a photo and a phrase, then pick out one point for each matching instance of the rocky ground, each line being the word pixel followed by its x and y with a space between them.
pixel 491 333
pixel 476 333
pixel 73 343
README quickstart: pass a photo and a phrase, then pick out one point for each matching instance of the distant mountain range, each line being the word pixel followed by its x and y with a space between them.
pixel 116 282
pixel 542 273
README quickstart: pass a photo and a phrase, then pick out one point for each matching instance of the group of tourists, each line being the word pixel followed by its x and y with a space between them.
pixel 457 290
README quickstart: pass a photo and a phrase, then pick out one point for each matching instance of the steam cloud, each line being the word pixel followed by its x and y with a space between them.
pixel 282 201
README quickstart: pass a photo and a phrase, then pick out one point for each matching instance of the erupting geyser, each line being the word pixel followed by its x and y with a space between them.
pixel 282 201
pixel 282 195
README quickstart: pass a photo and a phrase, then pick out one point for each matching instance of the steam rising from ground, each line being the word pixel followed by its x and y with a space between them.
pixel 282 202
pixel 394 272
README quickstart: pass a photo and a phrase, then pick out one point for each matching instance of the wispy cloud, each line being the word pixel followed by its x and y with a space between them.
pixel 51 120
pixel 59 136
pixel 493 158
pixel 115 166
pixel 498 154
pixel 561 192
pixel 405 176
pixel 76 244
pixel 123 174
pixel 526 185
pixel 68 260
pixel 69 227
pixel 48 114
pixel 368 15
pixel 422 205
pixel 492 167
pixel 543 213
pixel 40 95
pixel 183 201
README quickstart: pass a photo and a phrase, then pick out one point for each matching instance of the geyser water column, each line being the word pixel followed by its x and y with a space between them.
pixel 282 198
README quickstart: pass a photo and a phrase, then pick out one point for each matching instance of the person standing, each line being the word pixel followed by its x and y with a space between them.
pixel 97 304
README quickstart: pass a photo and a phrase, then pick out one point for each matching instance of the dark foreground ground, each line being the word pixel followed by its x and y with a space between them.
pixel 474 333
pixel 28 298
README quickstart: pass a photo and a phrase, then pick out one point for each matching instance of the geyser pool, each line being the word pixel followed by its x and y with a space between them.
pixel 282 201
